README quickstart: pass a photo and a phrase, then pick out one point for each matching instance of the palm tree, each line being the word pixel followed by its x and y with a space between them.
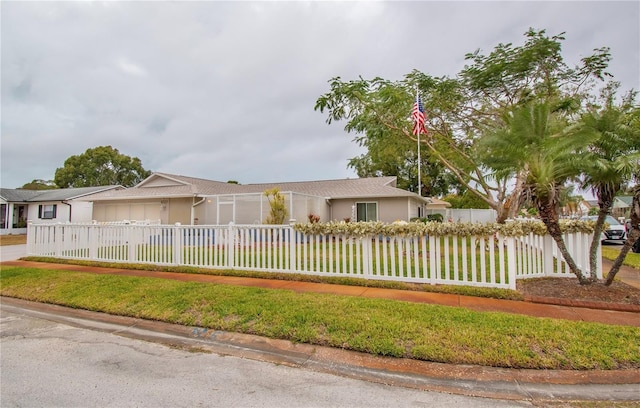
pixel 539 140
pixel 613 159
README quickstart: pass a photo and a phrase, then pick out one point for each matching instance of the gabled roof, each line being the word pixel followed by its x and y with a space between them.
pixel 62 194
pixel 335 189
pixel 174 186
pixel 625 199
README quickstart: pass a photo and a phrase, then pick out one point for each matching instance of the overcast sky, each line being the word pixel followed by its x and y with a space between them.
pixel 226 90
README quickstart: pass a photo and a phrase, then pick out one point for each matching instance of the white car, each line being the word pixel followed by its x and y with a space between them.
pixel 615 231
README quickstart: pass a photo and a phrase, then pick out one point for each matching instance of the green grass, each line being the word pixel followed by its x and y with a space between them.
pixel 611 253
pixel 376 326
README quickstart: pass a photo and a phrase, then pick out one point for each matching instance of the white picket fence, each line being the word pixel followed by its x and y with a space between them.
pixel 474 261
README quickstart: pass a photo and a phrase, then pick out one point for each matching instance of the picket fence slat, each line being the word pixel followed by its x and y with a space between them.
pixel 493 261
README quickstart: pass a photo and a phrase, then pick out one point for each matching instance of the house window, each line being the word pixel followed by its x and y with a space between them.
pixel 367 211
pixel 3 216
pixel 47 212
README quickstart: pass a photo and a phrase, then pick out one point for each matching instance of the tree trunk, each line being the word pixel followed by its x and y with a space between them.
pixel 632 236
pixel 549 217
pixel 605 202
pixel 502 214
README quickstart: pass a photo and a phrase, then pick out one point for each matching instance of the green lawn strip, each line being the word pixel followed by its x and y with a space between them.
pixel 377 326
pixel 632 259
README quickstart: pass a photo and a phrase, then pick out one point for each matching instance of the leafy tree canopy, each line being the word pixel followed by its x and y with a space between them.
pixel 462 110
pixel 100 166
pixel 39 184
pixel 465 200
pixel 399 157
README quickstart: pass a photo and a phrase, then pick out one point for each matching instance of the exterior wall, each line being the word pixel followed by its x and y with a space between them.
pixel 63 213
pixel 254 208
pixel 75 211
pixel 389 209
pixel 247 209
pixel 81 211
pixel 126 210
pixel 180 210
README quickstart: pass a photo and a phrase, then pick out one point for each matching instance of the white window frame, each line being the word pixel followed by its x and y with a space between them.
pixel 47 211
pixel 367 209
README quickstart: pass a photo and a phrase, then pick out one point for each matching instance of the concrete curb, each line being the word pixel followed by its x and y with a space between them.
pixel 515 384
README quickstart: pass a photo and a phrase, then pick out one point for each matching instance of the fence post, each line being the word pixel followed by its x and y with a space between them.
pixel 434 260
pixel 93 242
pixel 366 256
pixel 231 245
pixel 131 244
pixel 31 234
pixel 511 262
pixel 547 255
pixel 58 240
pixel 599 261
pixel 177 243
pixel 293 237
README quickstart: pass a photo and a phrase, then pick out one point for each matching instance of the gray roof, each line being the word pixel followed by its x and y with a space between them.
pixel 170 185
pixel 62 194
pixel 626 199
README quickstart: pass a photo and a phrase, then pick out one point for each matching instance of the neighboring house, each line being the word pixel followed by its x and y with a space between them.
pixel 622 207
pixel 587 205
pixel 18 207
pixel 169 199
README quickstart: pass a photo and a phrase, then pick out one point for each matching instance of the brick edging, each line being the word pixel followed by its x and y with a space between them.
pixel 589 304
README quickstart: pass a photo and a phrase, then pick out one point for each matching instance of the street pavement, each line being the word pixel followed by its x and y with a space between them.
pixel 34 345
pixel 49 363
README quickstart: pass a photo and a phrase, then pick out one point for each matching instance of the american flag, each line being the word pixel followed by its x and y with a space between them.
pixel 417 114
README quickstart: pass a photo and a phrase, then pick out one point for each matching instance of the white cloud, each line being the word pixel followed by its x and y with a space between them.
pixel 130 68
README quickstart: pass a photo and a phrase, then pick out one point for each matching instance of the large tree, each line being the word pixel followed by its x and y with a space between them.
pixel 399 157
pixel 100 166
pixel 462 110
pixel 39 184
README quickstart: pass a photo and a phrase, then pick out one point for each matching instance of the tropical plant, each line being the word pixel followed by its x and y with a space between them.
pixel 613 159
pixel 633 235
pixel 278 210
pixel 539 143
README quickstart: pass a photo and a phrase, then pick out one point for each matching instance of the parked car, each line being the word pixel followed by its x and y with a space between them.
pixel 614 232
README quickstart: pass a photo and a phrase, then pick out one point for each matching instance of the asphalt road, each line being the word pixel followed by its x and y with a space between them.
pixel 47 363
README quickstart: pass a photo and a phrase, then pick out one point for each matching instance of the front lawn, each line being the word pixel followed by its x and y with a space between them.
pixel 376 326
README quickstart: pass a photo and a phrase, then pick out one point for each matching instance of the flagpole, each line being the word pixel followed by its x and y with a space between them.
pixel 419 164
